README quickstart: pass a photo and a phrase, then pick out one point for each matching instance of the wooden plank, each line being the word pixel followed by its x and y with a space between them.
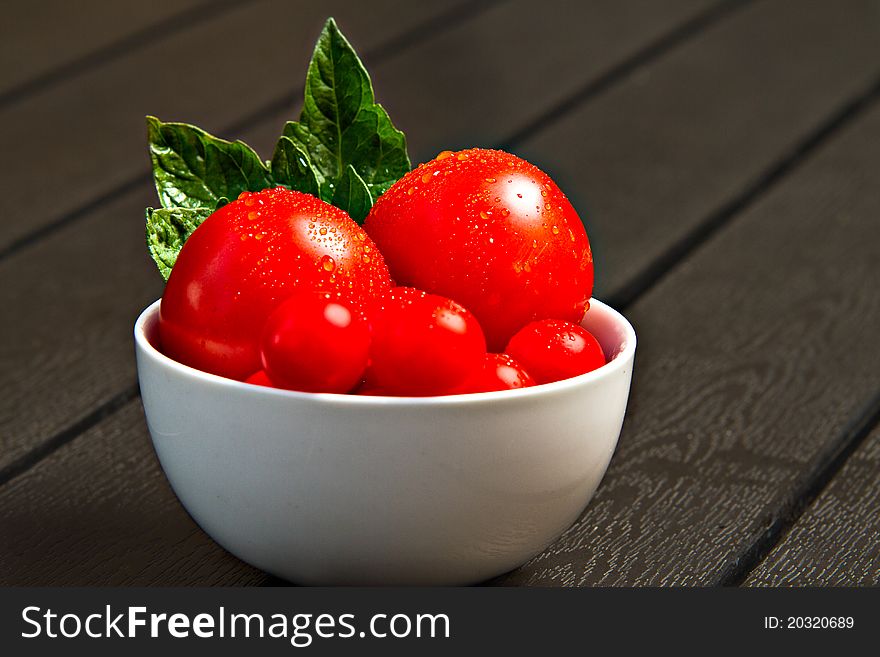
pixel 85 137
pixel 39 36
pixel 100 512
pixel 835 542
pixel 746 378
pixel 83 370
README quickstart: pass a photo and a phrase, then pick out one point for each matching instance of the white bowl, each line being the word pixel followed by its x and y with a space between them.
pixel 342 489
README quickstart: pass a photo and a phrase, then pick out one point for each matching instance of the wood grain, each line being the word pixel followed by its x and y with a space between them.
pixel 836 542
pixel 39 36
pixel 85 136
pixel 100 512
pixel 747 372
pixel 56 283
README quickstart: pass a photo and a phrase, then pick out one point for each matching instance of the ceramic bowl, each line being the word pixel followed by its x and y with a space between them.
pixel 342 489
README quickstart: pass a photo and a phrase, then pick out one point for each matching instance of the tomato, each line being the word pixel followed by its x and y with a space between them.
pixel 491 231
pixel 315 344
pixel 552 350
pixel 499 372
pixel 422 344
pixel 248 257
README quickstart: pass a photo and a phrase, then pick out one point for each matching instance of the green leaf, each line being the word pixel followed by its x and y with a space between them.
pixel 292 168
pixel 341 125
pixel 193 169
pixel 167 230
pixel 353 195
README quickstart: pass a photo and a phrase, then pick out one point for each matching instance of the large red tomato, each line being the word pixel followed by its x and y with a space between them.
pixel 490 231
pixel 248 257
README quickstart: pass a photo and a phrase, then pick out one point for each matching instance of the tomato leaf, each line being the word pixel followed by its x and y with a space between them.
pixel 192 169
pixel 292 168
pixel 167 230
pixel 341 125
pixel 353 195
pixel 344 149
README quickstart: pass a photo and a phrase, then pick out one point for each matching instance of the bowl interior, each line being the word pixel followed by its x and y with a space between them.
pixel 611 329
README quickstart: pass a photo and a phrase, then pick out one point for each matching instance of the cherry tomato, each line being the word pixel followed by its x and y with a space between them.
pixel 552 350
pixel 315 344
pixel 422 344
pixel 248 257
pixel 499 372
pixel 491 231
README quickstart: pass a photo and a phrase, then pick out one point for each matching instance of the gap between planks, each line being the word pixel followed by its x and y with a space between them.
pixel 826 466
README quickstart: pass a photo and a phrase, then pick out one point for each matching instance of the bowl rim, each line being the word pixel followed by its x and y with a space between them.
pixel 624 356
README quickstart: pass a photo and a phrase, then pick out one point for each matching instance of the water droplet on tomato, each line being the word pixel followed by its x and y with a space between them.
pixel 328 263
pixel 483 215
pixel 490 180
pixel 504 212
pixel 443 155
pixel 251 215
pixel 462 156
pixel 426 178
pixel 554 230
pixel 411 191
pixel 323 230
pixel 519 195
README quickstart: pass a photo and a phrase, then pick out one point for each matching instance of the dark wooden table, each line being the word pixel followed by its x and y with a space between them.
pixel 725 157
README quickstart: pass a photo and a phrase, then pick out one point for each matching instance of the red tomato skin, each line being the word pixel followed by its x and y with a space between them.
pixel 422 344
pixel 491 231
pixel 499 372
pixel 260 378
pixel 314 344
pixel 553 350
pixel 248 257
